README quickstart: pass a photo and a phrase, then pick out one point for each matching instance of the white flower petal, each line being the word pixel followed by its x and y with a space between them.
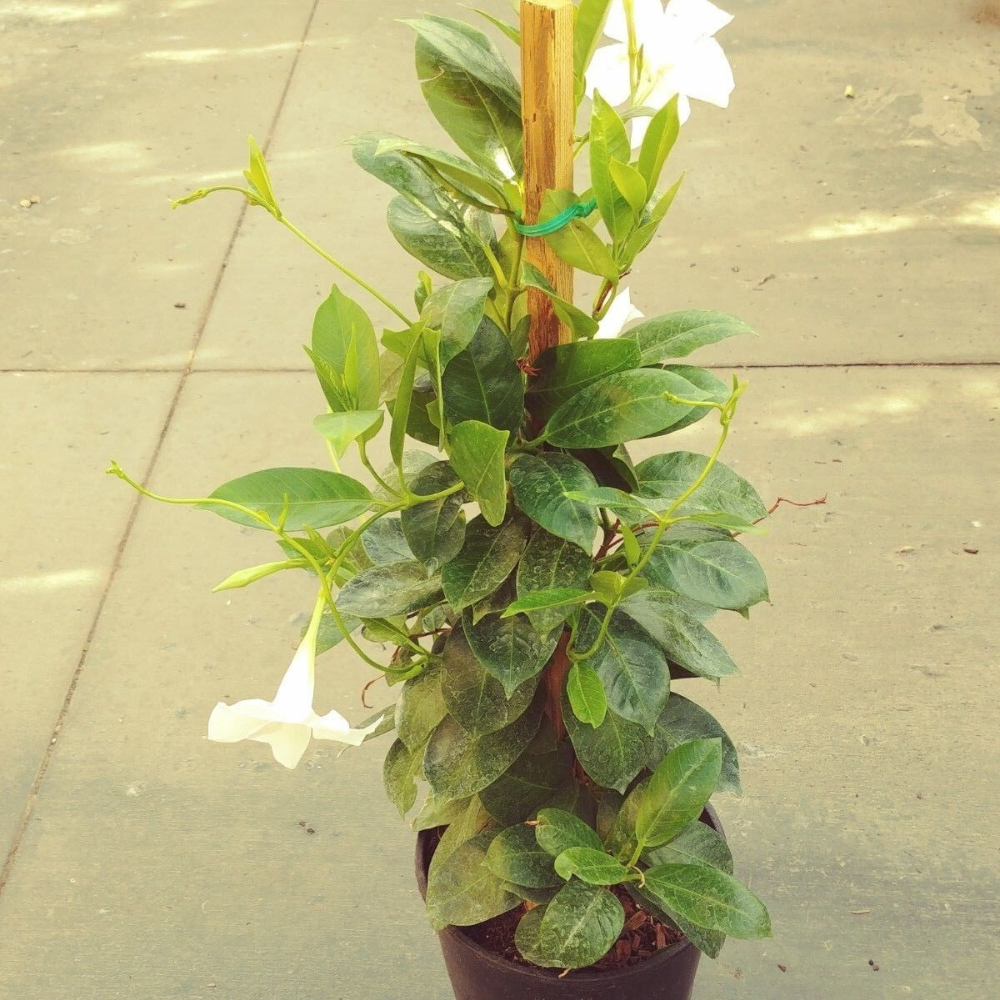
pixel 620 312
pixel 696 18
pixel 288 742
pixel 333 726
pixel 295 693
pixel 639 127
pixel 232 723
pixel 616 26
pixel 649 20
pixel 705 74
pixel 608 74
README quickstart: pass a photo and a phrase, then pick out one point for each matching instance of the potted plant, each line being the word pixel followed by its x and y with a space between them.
pixel 538 592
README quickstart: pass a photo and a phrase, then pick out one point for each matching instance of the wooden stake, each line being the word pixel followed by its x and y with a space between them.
pixel 548 113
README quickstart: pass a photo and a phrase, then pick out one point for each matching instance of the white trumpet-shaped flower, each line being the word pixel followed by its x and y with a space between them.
pixel 288 722
pixel 620 312
pixel 680 57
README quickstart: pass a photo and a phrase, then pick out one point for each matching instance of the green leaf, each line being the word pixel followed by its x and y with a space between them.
pixel 304 498
pixel 543 600
pixel 509 649
pixel 661 134
pixel 477 456
pixel 515 856
pixel 631 666
pixel 531 781
pixel 457 764
pixel 471 92
pixel 696 844
pixel 588 27
pixel 385 543
pixel 457 310
pixel 579 926
pixel 475 698
pixel 442 238
pixel 526 938
pixel 557 830
pixel 508 29
pixel 676 335
pixel 586 694
pixel 464 176
pixel 435 529
pixel 404 399
pixel 549 562
pixel 714 388
pixel 540 484
pixel 383 591
pixel 484 383
pixel 399 773
pixel 343 336
pixel 592 866
pixel 438 812
pixel 581 324
pixel 629 182
pixel 331 634
pixel 259 179
pixel 471 819
pixel 678 790
pixel 576 243
pixel 709 898
pixel 487 558
pixel 666 477
pixel 342 429
pixel 420 709
pixel 719 572
pixel 683 720
pixel 643 235
pixel 613 753
pixel 462 891
pixel 564 370
pixel 710 942
pixel 609 145
pixel 619 408
pixel 244 577
pixel 679 633
pixel 606 496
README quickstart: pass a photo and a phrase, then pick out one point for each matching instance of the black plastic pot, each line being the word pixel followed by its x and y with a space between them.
pixel 479 974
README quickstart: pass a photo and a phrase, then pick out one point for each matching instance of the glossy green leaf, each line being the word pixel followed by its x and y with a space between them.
pixel 631 666
pixel 515 856
pixel 445 238
pixel 384 591
pixel 474 697
pixel 578 244
pixel 509 649
pixel 679 633
pixel 404 399
pixel 471 91
pixel 644 233
pixel 549 562
pixel 330 632
pixel 588 28
pixel 564 370
pixel 557 830
pixel 619 501
pixel 302 498
pixel 678 790
pixel 532 781
pixel 342 429
pixel 399 773
pixel 629 182
pixel 676 335
pixel 484 383
pixel 713 388
pixel 384 542
pixel 470 820
pixel 420 708
pixel 709 898
pixel 595 867
pixel 620 407
pixel 609 145
pixel 508 29
pixel 258 178
pixel 457 310
pixel 487 558
pixel 543 600
pixel 719 572
pixel 666 477
pixel 613 753
pixel 435 529
pixel 343 336
pixel 661 134
pixel 683 720
pixel 579 926
pixel 540 483
pixel 696 844
pixel 477 456
pixel 581 324
pixel 457 764
pixel 463 891
pixel 437 811
pixel 586 694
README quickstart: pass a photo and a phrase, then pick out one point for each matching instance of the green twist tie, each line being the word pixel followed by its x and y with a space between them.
pixel 578 210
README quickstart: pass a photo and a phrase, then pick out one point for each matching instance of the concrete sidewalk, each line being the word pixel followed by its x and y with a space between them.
pixel 860 236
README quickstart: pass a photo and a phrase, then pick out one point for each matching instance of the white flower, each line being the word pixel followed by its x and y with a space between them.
pixel 679 57
pixel 619 313
pixel 288 722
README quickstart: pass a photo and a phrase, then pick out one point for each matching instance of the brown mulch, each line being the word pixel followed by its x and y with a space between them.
pixel 642 936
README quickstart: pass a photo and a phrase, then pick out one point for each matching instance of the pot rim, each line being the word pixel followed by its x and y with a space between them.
pixel 582 976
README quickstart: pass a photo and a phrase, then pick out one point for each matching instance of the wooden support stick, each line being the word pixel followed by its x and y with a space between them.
pixel 548 113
